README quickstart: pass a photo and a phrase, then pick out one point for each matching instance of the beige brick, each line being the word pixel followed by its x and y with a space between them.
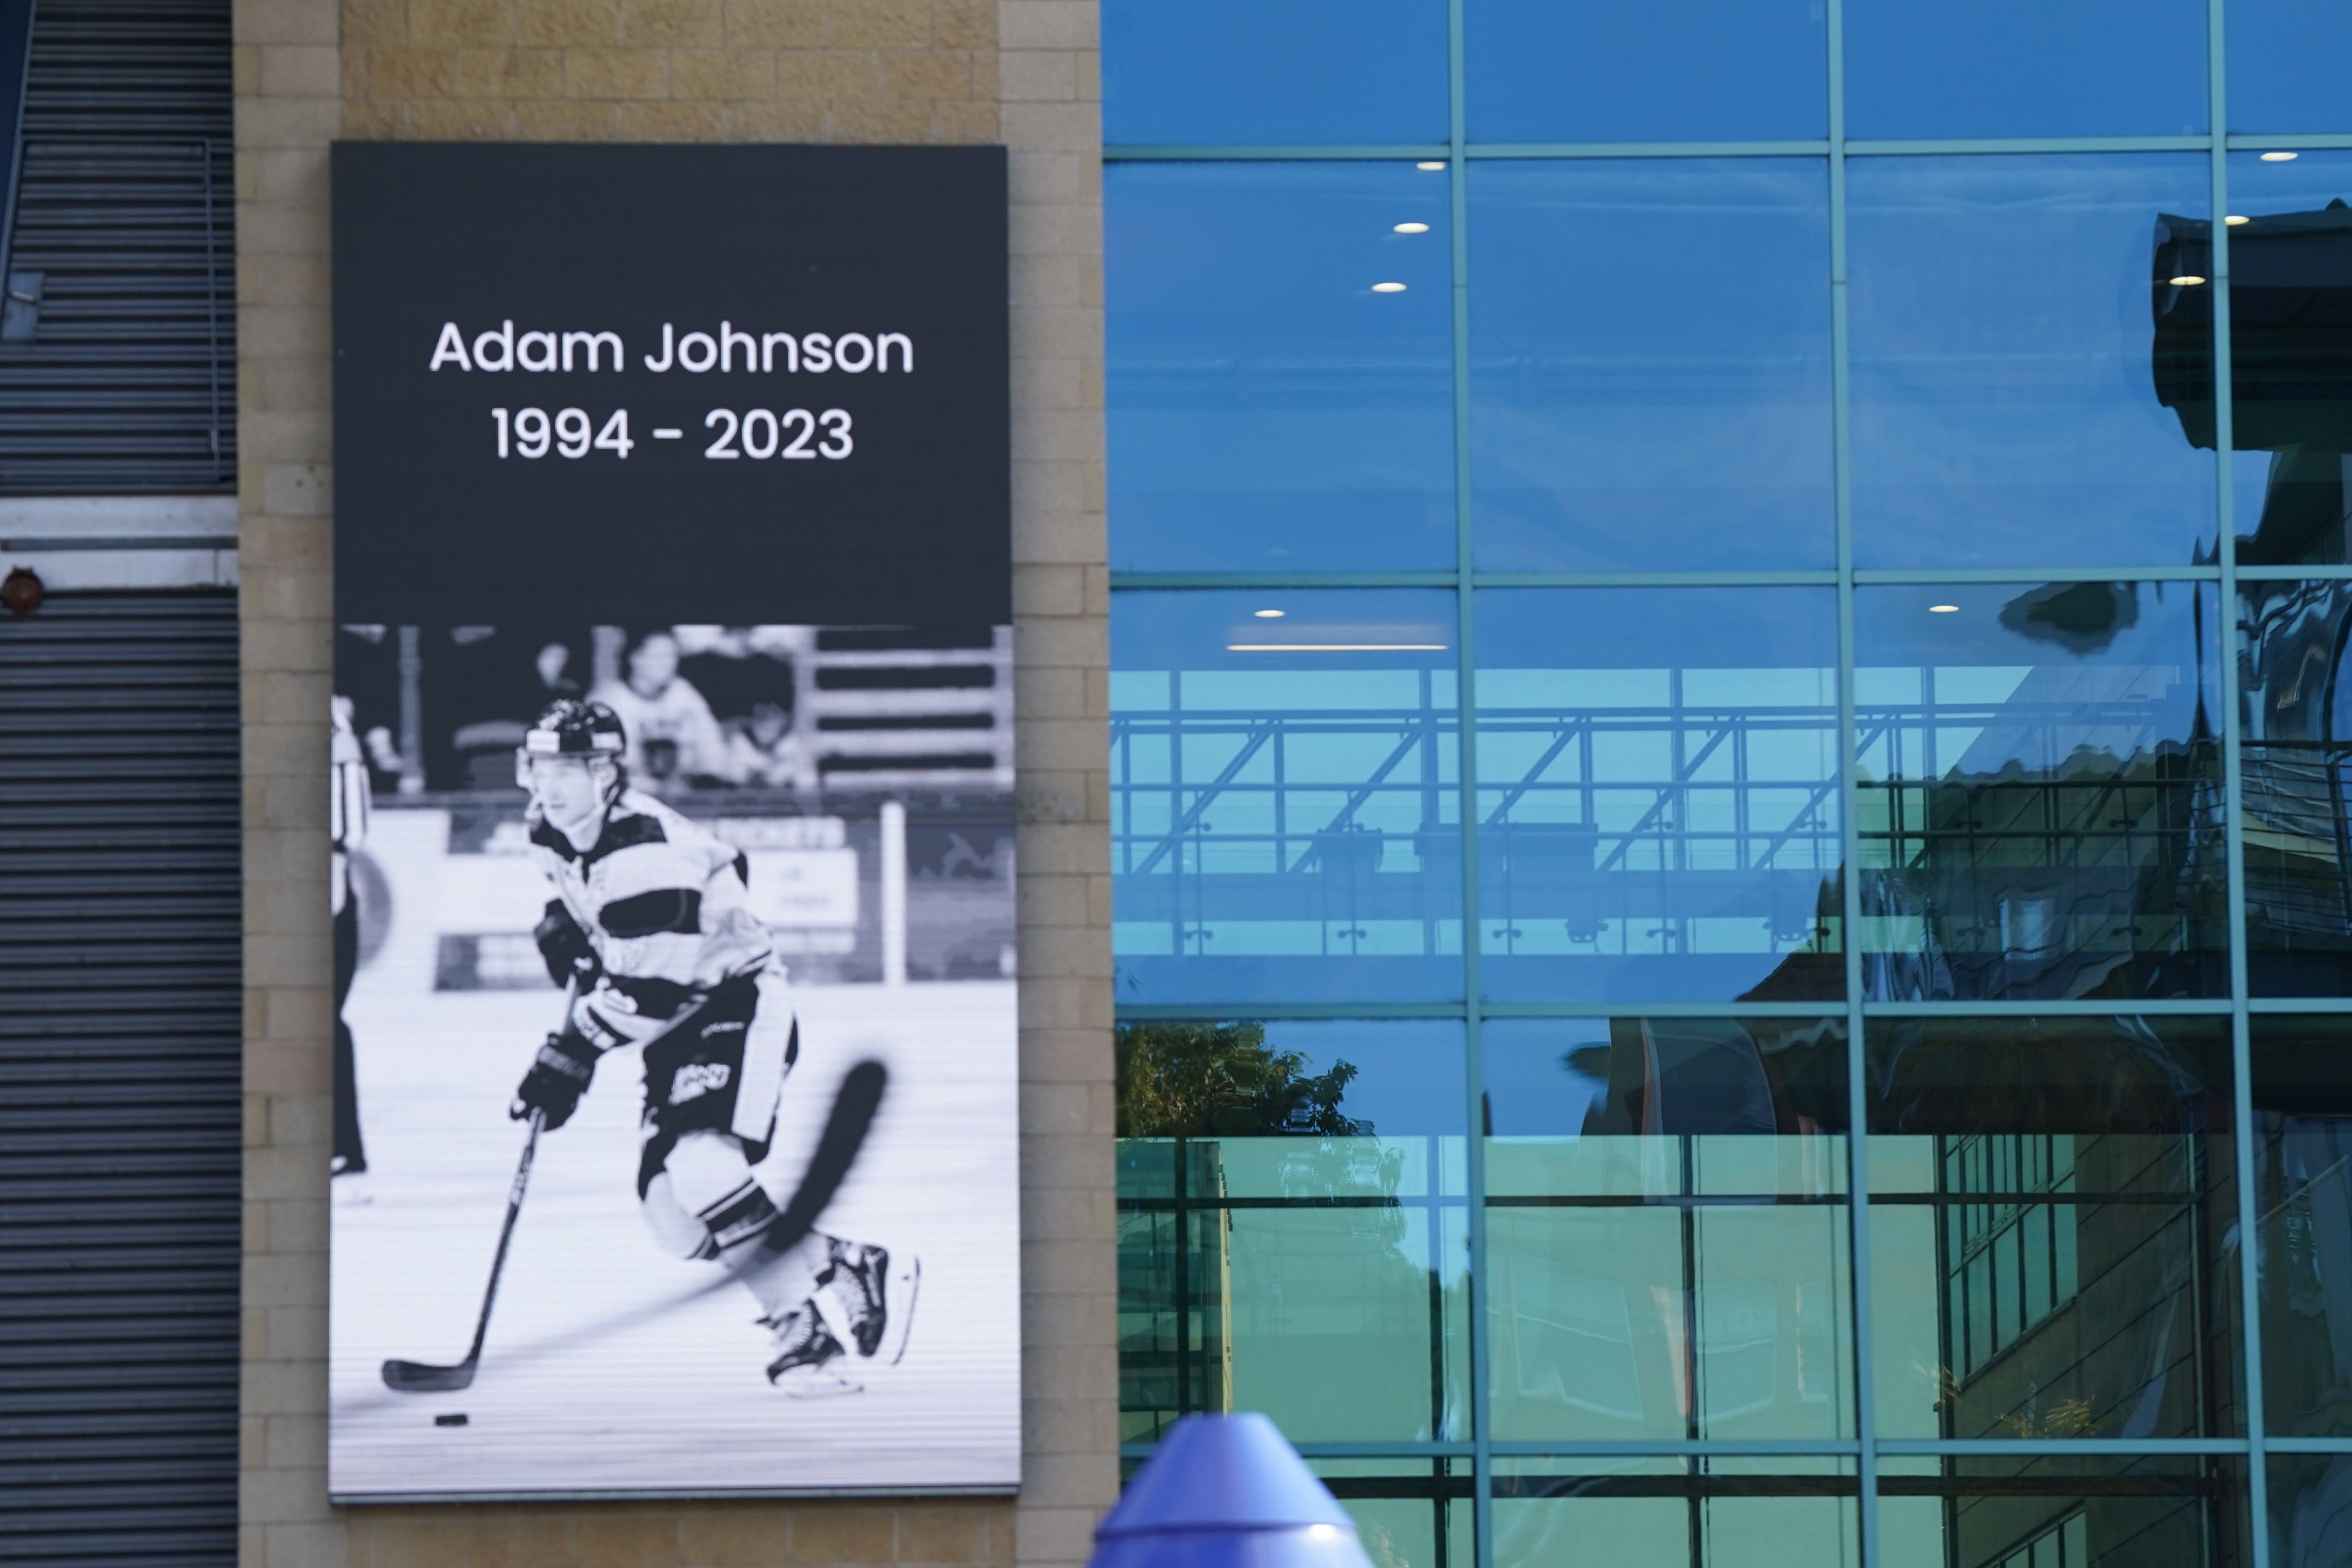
pixel 460 21
pixel 458 120
pixel 879 24
pixel 843 1532
pixel 525 1538
pixel 614 73
pixel 775 24
pixel 412 72
pixel 834 74
pixel 901 122
pixel 369 120
pixel 509 73
pixel 672 24
pixel 285 22
pixel 672 121
pixel 1038 73
pixel 298 70
pixel 568 22
pixel 927 73
pixel 738 73
pixel 375 21
pixel 946 1534
pixel 963 24
pixel 798 120
pixel 963 124
pixel 632 1538
pixel 745 1535
pixel 354 74
pixel 567 120
pixel 1045 25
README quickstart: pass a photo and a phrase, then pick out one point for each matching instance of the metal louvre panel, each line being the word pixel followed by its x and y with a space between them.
pixel 125 208
pixel 120 1080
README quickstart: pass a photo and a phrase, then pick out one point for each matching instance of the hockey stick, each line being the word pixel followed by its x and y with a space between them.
pixel 423 1377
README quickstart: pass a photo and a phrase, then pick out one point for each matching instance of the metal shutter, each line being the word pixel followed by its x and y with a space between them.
pixel 124 230
pixel 120 1110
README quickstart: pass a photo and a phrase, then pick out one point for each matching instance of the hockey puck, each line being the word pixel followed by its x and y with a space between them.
pixel 454 1418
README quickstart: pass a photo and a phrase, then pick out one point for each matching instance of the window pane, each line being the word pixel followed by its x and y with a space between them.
pixel 2103 1142
pixel 1674 1513
pixel 2296 713
pixel 2309 1527
pixel 1650 365
pixel 2302 1107
pixel 1284 820
pixel 1658 794
pixel 2012 68
pixel 2289 356
pixel 1303 71
pixel 1666 1228
pixel 1291 1234
pixel 2039 791
pixel 1272 407
pixel 1669 70
pixel 2004 399
pixel 1409 1513
pixel 2065 1512
pixel 2287 62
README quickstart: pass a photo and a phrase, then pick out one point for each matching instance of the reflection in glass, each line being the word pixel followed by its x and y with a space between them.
pixel 2311 1509
pixel 2040 791
pixel 2291 358
pixel 1271 407
pixel 1409 1513
pixel 1658 794
pixel 2004 402
pixel 2303 1174
pixel 1291 1229
pixel 2064 1511
pixel 1304 71
pixel 1677 1514
pixel 1650 364
pixel 2053 1221
pixel 2089 67
pixel 2296 734
pixel 1285 815
pixel 2286 59
pixel 1666 1228
pixel 1667 70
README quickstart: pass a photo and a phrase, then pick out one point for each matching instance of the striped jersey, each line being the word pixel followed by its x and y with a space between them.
pixel 665 902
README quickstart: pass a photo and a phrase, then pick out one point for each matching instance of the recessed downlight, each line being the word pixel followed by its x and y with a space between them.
pixel 1268 614
pixel 2233 220
pixel 1413 228
pixel 2281 157
pixel 2187 280
pixel 1431 165
pixel 1388 288
pixel 1943 609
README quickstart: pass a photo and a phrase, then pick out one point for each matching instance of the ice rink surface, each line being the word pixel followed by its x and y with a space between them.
pixel 612 1367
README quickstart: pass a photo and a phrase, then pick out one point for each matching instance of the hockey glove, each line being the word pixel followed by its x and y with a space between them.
pixel 566 949
pixel 556 1080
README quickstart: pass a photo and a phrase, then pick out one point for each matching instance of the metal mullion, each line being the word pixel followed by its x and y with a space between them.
pixel 1997 146
pixel 1465 707
pixel 1402 1449
pixel 2292 574
pixel 2214 1006
pixel 2273 1004
pixel 2315 143
pixel 1866 1382
pixel 1132 580
pixel 1272 152
pixel 1799 148
pixel 1665 1447
pixel 1939 575
pixel 2250 1344
pixel 2055 1446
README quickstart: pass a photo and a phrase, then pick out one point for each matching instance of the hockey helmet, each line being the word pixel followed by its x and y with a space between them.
pixel 572 728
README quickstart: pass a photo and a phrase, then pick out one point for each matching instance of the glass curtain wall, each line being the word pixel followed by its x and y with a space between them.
pixel 1732 855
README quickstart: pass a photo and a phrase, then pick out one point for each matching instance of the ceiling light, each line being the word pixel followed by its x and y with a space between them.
pixel 1335 647
pixel 1413 228
pixel 2281 157
pixel 1436 164
pixel 2187 280
pixel 1268 614
pixel 1388 288
pixel 1943 609
pixel 2233 220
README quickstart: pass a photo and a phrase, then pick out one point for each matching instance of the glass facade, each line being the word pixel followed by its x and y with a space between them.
pixel 1730 837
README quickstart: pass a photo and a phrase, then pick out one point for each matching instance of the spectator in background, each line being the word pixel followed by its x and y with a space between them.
pixel 674 741
pixel 764 752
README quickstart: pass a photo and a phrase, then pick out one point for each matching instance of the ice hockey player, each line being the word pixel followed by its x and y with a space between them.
pixel 652 932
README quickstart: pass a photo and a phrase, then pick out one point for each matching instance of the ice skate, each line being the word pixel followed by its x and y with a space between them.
pixel 806 1356
pixel 877 1299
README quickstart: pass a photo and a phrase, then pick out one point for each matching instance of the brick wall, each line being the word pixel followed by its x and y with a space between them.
pixel 1019 71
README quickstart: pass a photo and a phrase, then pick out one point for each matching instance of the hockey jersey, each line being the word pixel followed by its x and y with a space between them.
pixel 665 903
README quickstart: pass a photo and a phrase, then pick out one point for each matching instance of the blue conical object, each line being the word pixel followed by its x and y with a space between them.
pixel 1227 1491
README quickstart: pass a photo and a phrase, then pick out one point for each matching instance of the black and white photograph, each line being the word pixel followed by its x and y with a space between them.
pixel 672 834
